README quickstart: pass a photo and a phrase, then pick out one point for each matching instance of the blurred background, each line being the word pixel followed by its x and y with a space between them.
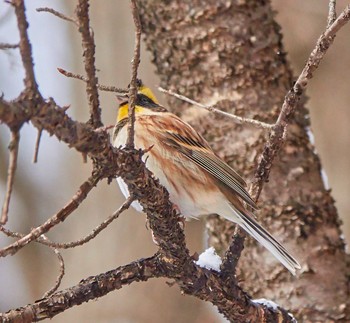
pixel 42 189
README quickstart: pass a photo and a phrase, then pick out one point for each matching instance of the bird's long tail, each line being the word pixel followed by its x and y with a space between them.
pixel 247 222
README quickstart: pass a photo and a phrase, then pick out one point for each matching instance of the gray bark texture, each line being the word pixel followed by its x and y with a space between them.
pixel 230 53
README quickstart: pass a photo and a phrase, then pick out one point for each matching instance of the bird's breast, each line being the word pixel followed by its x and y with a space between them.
pixel 190 188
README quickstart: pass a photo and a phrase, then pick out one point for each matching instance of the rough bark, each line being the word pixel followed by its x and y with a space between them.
pixel 230 53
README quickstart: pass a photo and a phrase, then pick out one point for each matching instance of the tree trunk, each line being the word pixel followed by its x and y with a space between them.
pixel 230 53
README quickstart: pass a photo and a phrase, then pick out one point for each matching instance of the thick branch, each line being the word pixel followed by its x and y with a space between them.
pixel 194 280
pixel 88 289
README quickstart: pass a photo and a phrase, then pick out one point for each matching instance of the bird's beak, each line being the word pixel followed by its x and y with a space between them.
pixel 121 98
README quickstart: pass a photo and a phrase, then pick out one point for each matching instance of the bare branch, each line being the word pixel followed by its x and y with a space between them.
pixel 318 53
pixel 80 196
pixel 45 241
pixel 25 46
pixel 88 44
pixel 95 232
pixel 80 136
pixel 37 144
pixel 135 64
pixel 61 272
pixel 88 289
pixel 205 285
pixel 8 46
pixel 10 233
pixel 236 119
pixel 99 86
pixel 332 14
pixel 104 128
pixel 13 147
pixel 57 14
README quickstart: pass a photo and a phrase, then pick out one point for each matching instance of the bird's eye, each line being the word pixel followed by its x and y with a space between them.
pixel 145 101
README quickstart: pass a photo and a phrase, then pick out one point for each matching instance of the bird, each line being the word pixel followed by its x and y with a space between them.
pixel 198 181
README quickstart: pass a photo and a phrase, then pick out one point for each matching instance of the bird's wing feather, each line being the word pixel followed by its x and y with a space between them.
pixel 247 222
pixel 200 153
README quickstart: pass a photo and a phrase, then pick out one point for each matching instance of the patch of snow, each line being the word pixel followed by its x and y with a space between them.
pixel 209 260
pixel 324 179
pixel 265 302
pixel 292 317
pixel 311 136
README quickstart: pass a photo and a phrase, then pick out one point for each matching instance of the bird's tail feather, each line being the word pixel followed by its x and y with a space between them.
pixel 247 222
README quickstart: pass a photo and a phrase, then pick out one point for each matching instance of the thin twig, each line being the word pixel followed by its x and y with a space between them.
pixel 236 118
pixel 57 14
pixel 37 144
pixel 61 272
pixel 84 158
pixel 104 128
pixel 318 52
pixel 60 216
pixel 10 233
pixel 45 241
pixel 88 44
pixel 13 147
pixel 25 47
pixel 80 242
pixel 8 46
pixel 94 232
pixel 332 13
pixel 99 86
pixel 135 64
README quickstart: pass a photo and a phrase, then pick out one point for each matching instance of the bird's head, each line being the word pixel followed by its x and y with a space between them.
pixel 145 100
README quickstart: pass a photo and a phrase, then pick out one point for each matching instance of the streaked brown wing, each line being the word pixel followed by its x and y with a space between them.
pixel 200 154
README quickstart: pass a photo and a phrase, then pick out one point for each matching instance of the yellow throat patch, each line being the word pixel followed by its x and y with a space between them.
pixel 124 111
